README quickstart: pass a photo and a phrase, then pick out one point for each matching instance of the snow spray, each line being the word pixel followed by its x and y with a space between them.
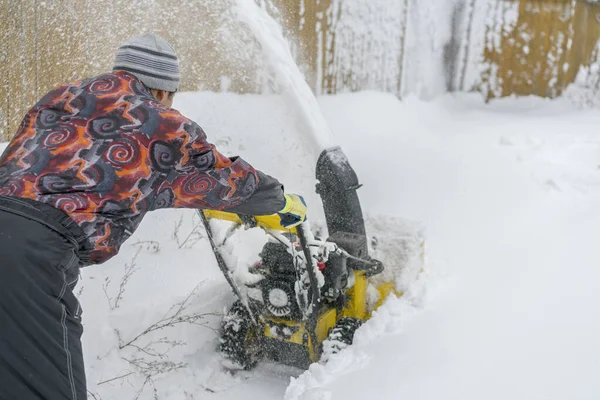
pixel 338 182
pixel 294 89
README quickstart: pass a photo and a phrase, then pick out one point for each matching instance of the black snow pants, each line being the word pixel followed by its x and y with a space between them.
pixel 41 250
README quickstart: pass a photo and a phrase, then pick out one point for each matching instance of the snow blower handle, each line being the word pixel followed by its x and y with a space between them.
pixel 288 220
pixel 305 237
pixel 294 211
pixel 224 267
pixel 266 222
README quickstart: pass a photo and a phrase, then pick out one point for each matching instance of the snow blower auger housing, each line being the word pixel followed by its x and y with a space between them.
pixel 309 292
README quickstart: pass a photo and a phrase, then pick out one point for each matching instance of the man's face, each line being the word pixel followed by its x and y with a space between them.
pixel 164 97
pixel 168 99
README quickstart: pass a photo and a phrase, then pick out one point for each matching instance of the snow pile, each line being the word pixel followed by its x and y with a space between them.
pixel 508 193
pixel 400 245
pixel 585 91
pixel 314 384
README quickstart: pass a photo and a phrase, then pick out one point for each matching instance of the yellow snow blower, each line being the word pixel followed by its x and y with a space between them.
pixel 311 294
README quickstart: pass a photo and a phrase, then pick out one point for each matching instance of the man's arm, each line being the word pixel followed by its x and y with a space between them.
pixel 203 178
pixel 267 199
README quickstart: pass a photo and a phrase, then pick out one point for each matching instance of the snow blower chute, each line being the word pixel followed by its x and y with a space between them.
pixel 311 290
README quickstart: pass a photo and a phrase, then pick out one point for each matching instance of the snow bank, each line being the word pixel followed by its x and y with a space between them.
pixel 508 195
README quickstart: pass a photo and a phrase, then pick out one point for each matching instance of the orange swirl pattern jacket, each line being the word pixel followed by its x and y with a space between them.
pixel 105 152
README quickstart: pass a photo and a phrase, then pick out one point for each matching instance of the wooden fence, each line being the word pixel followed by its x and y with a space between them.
pixel 528 47
pixel 542 50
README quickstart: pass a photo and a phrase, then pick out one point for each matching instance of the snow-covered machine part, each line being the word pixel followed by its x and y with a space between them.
pixel 337 187
pixel 306 286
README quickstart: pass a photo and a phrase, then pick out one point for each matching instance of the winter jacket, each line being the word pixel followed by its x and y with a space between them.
pixel 105 152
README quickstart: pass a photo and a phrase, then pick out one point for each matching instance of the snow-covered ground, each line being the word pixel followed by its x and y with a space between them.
pixel 508 193
pixel 508 304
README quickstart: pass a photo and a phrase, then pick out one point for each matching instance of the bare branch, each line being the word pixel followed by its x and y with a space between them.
pixel 141 390
pixel 175 315
pixel 94 395
pixel 114 379
pixel 193 236
pixel 151 246
pixel 177 228
pixel 105 286
pixel 129 271
pixel 154 367
pixel 150 356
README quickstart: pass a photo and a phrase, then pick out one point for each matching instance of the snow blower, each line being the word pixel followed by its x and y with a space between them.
pixel 311 293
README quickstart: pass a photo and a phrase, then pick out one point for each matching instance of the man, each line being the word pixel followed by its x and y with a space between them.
pixel 87 163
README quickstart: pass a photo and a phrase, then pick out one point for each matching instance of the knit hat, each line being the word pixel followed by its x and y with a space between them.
pixel 151 59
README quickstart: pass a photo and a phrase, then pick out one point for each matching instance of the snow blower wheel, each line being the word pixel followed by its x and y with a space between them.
pixel 240 345
pixel 341 336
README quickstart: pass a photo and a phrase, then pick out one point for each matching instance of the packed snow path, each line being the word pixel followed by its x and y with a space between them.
pixel 507 308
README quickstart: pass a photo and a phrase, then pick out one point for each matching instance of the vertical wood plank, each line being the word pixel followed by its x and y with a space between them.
pixel 4 40
pixel 15 73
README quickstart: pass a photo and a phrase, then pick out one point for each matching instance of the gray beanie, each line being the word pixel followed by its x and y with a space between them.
pixel 151 59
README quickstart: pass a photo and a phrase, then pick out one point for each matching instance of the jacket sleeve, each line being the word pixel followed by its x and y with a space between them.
pixel 203 178
pixel 267 199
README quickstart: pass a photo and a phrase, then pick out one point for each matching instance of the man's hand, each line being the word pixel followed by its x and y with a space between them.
pixel 294 211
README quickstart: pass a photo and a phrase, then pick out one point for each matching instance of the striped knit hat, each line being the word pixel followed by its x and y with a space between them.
pixel 151 59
